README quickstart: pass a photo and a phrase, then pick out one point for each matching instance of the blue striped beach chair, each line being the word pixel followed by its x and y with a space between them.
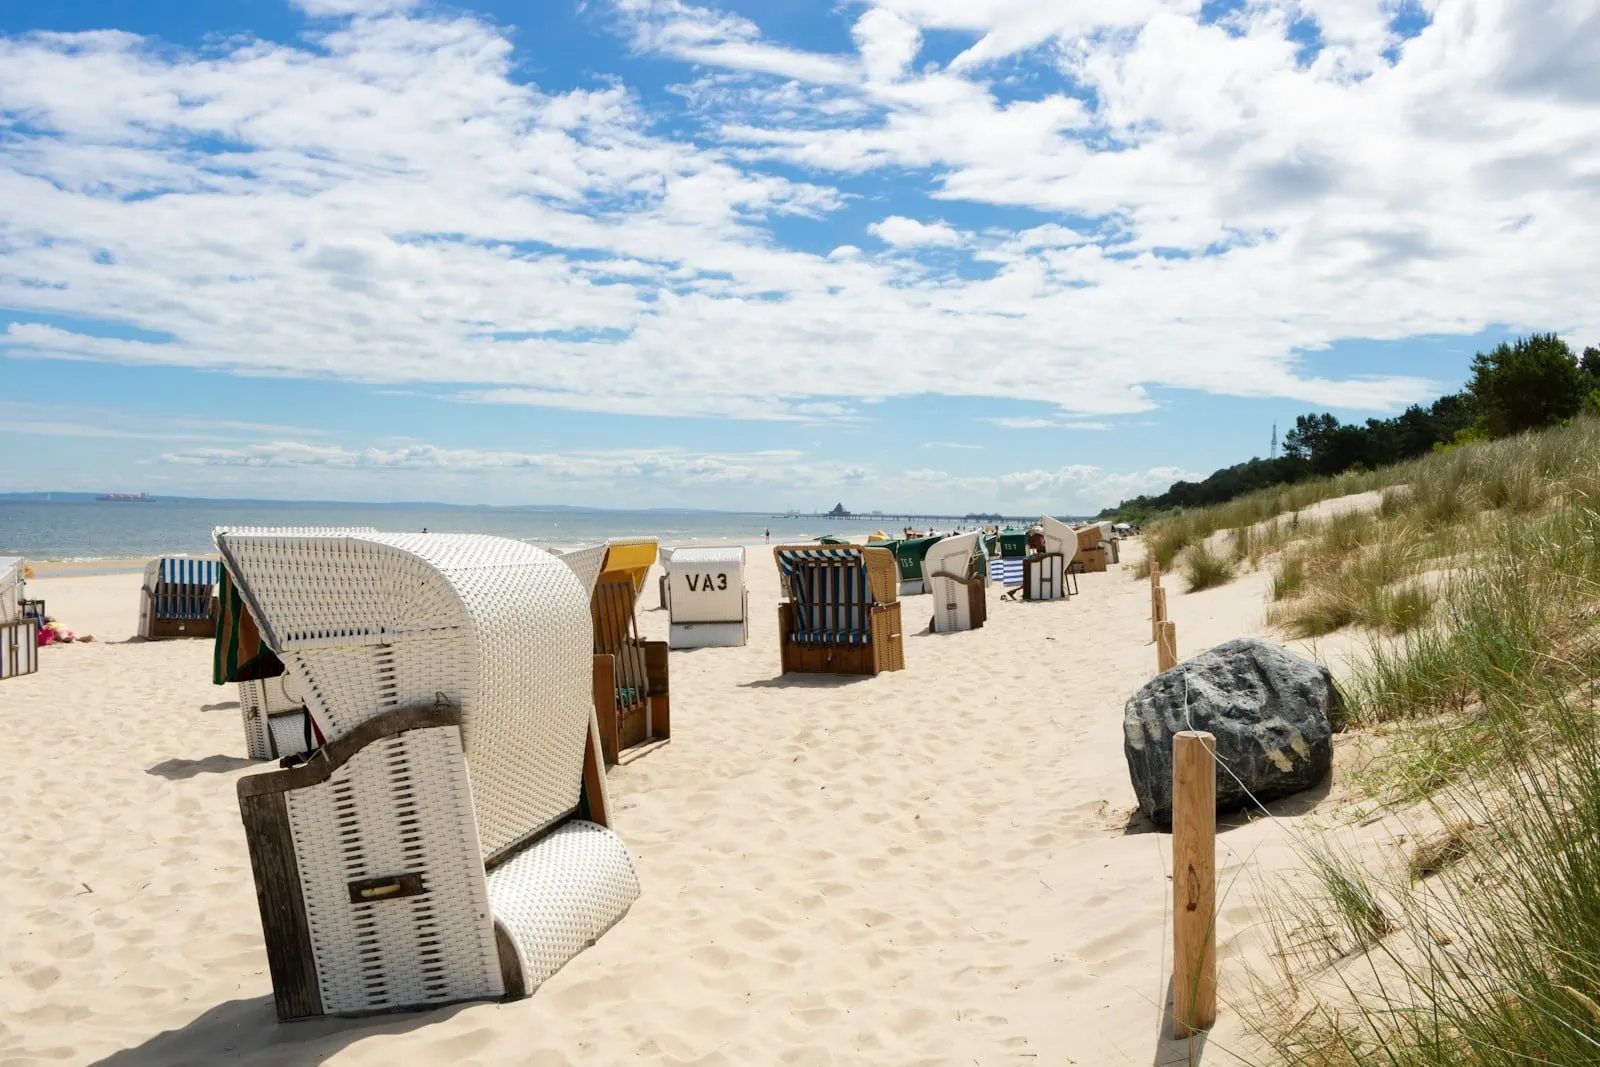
pixel 179 598
pixel 1006 570
pixel 841 614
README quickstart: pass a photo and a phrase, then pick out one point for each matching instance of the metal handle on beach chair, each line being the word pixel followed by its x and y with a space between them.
pixel 394 887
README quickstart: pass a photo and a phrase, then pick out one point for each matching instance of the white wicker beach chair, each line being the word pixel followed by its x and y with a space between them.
pixel 959 589
pixel 449 840
pixel 586 562
pixel 276 722
pixel 708 604
pixel 11 571
pixel 19 636
pixel 1048 575
pixel 1058 536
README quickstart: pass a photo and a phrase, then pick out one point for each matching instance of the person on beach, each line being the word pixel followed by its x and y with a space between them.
pixel 769 536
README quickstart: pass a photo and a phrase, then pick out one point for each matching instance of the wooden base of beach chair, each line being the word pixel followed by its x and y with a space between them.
pixel 1093 559
pixel 179 611
pixel 625 723
pixel 19 648
pixel 1043 576
pixel 167 629
pixel 886 651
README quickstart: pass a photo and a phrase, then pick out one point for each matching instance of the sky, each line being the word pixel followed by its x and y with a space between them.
pixel 942 255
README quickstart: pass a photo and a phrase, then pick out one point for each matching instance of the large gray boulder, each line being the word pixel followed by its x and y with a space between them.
pixel 1269 709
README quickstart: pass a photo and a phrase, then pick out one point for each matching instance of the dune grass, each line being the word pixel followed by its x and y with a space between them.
pixel 1479 945
pixel 1481 948
pixel 1205 569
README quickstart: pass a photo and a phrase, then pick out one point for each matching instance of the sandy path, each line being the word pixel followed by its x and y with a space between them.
pixel 928 867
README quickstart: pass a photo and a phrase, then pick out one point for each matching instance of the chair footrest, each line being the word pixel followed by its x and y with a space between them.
pixel 556 897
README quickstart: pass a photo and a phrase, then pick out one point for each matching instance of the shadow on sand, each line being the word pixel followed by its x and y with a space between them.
pixel 1301 803
pixel 178 769
pixel 1179 1052
pixel 802 680
pixel 248 1031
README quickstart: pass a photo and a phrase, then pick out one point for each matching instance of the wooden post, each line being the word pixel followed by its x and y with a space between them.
pixel 1158 613
pixel 1167 647
pixel 1194 882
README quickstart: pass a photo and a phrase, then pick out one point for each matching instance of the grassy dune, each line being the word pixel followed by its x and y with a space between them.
pixel 1477 581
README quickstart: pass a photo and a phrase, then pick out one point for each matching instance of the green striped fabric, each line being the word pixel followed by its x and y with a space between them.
pixel 239 655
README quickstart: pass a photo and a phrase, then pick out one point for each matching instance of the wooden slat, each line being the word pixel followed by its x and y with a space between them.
pixel 336 753
pixel 627 719
pixel 655 665
pixel 605 704
pixel 19 648
pixel 515 987
pixel 595 797
pixel 1194 882
pixel 287 931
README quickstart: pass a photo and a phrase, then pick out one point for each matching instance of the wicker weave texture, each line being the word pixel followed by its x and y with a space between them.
pixel 400 806
pixel 883 574
pixel 293 531
pixel 289 734
pixel 1058 536
pixel 586 563
pixel 273 717
pixel 945 561
pixel 888 641
pixel 366 623
pixel 556 897
pixel 253 712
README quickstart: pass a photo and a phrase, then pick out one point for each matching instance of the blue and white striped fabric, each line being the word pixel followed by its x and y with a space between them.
pixel 186 587
pixel 830 594
pixel 1007 570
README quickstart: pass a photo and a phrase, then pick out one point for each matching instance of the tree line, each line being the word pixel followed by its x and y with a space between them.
pixel 1527 384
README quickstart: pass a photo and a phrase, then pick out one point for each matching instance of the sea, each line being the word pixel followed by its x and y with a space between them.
pixel 87 529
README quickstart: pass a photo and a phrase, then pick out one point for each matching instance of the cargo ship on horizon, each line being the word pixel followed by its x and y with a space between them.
pixel 137 498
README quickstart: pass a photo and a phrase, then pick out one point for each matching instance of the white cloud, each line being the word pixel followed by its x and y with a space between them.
pixel 766 468
pixel 901 232
pixel 887 42
pixel 389 202
pixel 1024 422
pixel 33 419
pixel 1032 422
pixel 1073 489
pixel 650 476
pixel 339 8
pixel 703 35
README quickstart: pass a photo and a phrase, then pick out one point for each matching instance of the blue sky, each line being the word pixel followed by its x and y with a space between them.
pixel 933 254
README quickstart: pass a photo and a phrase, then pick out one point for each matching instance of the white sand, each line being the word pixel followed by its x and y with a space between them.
pixel 927 867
